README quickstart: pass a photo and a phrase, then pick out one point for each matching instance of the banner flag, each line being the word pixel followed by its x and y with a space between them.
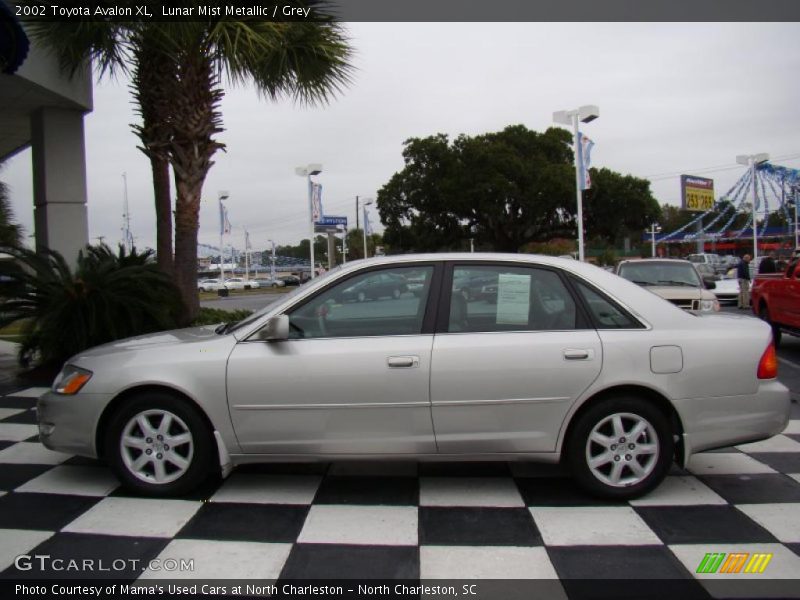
pixel 367 224
pixel 316 202
pixel 226 227
pixel 585 146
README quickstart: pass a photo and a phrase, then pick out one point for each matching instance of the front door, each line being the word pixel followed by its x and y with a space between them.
pixel 352 379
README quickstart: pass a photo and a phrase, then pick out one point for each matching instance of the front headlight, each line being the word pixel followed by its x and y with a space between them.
pixel 709 305
pixel 71 380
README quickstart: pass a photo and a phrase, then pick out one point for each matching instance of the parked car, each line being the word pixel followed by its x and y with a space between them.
pixel 675 280
pixel 267 282
pixel 571 364
pixel 209 285
pixel 374 287
pixel 290 280
pixel 238 283
pixel 470 286
pixel 726 289
pixel 709 259
pixel 775 298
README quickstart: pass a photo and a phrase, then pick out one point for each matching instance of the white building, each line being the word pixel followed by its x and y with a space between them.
pixel 42 108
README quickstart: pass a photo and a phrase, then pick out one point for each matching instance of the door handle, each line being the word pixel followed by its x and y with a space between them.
pixel 402 362
pixel 578 354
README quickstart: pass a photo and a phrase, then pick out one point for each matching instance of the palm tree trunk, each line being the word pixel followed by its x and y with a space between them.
pixel 196 119
pixel 163 202
pixel 187 222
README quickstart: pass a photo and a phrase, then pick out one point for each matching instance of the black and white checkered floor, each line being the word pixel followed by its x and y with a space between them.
pixel 399 520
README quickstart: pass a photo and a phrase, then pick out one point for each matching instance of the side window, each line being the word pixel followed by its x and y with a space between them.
pixel 509 298
pixel 386 302
pixel 606 314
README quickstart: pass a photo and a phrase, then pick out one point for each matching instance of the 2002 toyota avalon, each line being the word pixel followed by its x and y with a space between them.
pixel 564 362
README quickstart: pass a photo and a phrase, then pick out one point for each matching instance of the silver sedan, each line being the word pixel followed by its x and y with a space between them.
pixel 562 361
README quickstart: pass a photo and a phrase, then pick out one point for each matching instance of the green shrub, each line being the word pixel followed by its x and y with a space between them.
pixel 212 316
pixel 106 297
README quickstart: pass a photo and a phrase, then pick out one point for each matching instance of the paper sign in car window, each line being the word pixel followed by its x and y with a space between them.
pixel 513 299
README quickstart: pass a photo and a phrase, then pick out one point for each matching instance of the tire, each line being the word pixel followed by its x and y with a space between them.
pixel 274 285
pixel 184 465
pixel 763 314
pixel 614 419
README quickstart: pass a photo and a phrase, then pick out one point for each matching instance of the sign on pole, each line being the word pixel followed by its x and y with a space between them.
pixel 697 193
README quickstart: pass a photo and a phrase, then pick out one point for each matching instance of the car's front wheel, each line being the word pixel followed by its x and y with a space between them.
pixel 159 445
pixel 620 448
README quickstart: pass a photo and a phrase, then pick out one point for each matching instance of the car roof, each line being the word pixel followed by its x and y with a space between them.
pixel 670 261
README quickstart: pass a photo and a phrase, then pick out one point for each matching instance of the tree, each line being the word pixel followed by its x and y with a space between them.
pixel 306 61
pixel 502 189
pixel 10 232
pixel 106 297
pixel 618 206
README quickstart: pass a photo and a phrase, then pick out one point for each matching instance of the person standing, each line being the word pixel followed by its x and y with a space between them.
pixel 743 274
pixel 768 264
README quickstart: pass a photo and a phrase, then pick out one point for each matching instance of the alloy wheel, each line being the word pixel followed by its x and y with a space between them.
pixel 157 446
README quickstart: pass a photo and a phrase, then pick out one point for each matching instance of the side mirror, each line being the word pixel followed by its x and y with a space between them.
pixel 709 284
pixel 276 329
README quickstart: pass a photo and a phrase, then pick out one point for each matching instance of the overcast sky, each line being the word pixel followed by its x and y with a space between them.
pixel 673 98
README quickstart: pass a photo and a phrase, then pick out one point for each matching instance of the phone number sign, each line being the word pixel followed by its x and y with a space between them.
pixel 697 193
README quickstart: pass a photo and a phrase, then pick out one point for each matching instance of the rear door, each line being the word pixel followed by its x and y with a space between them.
pixel 508 364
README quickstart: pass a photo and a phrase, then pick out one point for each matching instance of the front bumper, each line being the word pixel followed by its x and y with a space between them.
pixel 69 423
pixel 728 420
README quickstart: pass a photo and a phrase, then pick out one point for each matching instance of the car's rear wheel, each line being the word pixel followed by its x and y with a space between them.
pixel 620 448
pixel 763 313
pixel 159 445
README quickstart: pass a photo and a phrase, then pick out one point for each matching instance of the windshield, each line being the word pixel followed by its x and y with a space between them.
pixel 661 273
pixel 282 297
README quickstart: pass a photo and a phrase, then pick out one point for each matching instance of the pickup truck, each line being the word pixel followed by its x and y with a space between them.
pixel 776 299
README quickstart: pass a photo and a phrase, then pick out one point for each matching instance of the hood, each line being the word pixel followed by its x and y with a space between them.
pixel 679 292
pixel 152 340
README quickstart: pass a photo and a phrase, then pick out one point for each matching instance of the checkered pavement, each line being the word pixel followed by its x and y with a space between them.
pixel 399 520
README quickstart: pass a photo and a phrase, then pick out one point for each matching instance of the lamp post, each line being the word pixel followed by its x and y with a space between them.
pixel 272 261
pixel 366 204
pixel 654 229
pixel 584 114
pixel 307 172
pixel 222 196
pixel 753 160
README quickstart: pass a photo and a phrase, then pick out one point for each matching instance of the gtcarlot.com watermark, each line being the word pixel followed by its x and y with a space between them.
pixel 45 562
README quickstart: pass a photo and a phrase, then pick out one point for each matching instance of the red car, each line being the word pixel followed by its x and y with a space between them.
pixel 776 299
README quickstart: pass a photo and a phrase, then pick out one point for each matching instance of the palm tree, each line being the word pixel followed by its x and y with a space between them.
pixel 177 75
pixel 106 297
pixel 9 231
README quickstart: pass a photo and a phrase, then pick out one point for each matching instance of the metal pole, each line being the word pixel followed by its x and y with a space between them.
pixel 272 262
pixel 578 187
pixel 311 219
pixel 755 224
pixel 653 238
pixel 365 231
pixel 221 251
pixel 356 212
pixel 344 247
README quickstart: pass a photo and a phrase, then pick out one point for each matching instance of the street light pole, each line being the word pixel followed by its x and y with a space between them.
pixel 272 261
pixel 307 172
pixel 654 229
pixel 222 196
pixel 753 160
pixel 585 114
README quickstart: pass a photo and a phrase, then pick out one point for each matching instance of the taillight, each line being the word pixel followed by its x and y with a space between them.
pixel 768 365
